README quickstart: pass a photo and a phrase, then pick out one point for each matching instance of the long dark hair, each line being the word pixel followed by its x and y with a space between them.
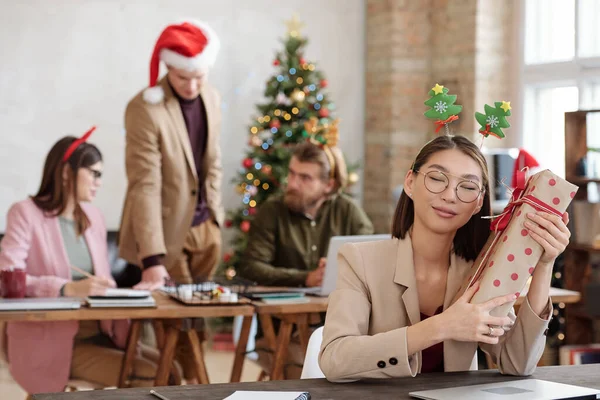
pixel 471 237
pixel 54 191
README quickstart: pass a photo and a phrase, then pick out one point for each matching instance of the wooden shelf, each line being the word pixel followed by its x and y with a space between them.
pixel 582 247
pixel 578 180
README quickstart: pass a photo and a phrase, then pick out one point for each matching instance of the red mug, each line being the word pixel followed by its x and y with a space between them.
pixel 12 283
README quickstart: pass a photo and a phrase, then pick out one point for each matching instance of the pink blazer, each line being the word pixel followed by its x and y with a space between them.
pixel 39 353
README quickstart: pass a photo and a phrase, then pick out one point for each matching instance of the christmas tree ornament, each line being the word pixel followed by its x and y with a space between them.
pixel 255 141
pixel 302 60
pixel 323 83
pixel 306 90
pixel 353 178
pixel 252 211
pixel 443 110
pixel 276 62
pixel 228 223
pixel 267 169
pixel 245 226
pixel 230 273
pixel 275 123
pixel 247 163
pixel 298 96
pixel 324 112
pixel 227 257
pixel 494 119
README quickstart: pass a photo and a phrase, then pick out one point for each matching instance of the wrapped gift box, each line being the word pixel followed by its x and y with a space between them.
pixel 511 254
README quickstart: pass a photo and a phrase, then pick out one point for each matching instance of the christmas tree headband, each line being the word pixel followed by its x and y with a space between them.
pixel 443 111
pixel 71 149
pixel 324 136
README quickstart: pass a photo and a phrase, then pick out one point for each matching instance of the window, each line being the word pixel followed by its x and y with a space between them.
pixel 561 72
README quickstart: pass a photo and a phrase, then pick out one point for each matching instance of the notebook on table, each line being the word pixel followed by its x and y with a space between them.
pixel 526 389
pixel 40 303
pixel 122 298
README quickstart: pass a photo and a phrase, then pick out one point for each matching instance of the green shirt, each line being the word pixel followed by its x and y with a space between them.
pixel 76 247
pixel 283 246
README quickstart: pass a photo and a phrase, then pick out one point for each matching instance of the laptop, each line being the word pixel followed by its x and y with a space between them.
pixel 330 275
pixel 40 303
pixel 526 389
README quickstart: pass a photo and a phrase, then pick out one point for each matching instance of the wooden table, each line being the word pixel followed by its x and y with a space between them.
pixel 166 308
pixel 397 388
pixel 290 314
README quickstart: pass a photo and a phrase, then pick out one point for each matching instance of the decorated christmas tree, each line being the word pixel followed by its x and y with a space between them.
pixel 294 96
pixel 494 119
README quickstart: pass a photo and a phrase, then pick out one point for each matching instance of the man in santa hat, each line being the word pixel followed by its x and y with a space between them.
pixel 173 210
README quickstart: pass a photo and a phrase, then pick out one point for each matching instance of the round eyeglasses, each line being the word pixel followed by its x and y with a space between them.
pixel 436 182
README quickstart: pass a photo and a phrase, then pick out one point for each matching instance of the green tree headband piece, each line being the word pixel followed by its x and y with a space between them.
pixel 442 108
pixel 443 111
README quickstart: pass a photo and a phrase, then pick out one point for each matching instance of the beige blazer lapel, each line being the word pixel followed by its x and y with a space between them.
pixel 176 116
pixel 405 276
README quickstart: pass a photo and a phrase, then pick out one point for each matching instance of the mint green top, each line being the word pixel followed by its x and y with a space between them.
pixel 76 247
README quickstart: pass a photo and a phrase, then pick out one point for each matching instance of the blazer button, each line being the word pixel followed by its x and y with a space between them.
pixel 194 191
pixel 381 364
pixel 393 361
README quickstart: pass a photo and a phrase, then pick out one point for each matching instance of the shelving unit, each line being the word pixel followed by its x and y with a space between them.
pixel 578 269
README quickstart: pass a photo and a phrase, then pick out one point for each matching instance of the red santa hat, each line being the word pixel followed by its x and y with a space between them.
pixel 190 45
pixel 524 160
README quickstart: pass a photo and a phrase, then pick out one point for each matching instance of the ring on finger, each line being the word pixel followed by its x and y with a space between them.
pixel 491 332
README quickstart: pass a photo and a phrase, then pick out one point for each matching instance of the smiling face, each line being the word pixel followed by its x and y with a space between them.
pixel 457 179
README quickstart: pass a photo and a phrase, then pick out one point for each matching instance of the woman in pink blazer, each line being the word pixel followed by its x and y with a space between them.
pixel 43 235
pixel 392 313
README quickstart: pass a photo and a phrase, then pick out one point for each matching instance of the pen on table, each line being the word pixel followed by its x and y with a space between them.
pixel 160 396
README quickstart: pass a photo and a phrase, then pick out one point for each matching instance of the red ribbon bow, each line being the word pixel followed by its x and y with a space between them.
pixel 500 223
pixel 441 123
pixel 77 143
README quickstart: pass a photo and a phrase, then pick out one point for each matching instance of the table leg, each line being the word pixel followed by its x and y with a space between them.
pixel 302 323
pixel 283 341
pixel 132 342
pixel 159 332
pixel 166 356
pixel 240 351
pixel 266 321
pixel 198 357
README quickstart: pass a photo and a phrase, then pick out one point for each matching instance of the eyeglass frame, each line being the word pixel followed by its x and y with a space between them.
pixel 446 174
pixel 95 173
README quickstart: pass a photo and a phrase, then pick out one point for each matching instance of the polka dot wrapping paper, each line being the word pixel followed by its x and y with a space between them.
pixel 509 257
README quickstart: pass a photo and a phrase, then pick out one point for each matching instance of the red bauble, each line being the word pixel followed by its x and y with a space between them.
pixel 324 83
pixel 323 113
pixel 275 123
pixel 247 163
pixel 302 60
pixel 227 257
pixel 276 62
pixel 228 223
pixel 252 211
pixel 245 226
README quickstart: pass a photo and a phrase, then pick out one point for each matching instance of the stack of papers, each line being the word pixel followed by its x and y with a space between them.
pixel 279 297
pixel 119 298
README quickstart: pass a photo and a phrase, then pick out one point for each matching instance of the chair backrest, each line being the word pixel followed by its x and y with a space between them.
pixel 311 368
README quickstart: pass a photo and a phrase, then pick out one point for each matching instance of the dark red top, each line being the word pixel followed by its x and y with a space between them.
pixel 433 357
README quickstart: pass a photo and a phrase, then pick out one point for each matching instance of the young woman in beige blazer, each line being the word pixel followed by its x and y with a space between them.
pixel 392 315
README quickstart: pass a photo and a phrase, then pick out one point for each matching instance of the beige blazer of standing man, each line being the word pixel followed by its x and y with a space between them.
pixel 170 222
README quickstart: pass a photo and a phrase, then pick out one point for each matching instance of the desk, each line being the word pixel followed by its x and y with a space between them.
pixel 166 308
pixel 290 314
pixel 397 388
